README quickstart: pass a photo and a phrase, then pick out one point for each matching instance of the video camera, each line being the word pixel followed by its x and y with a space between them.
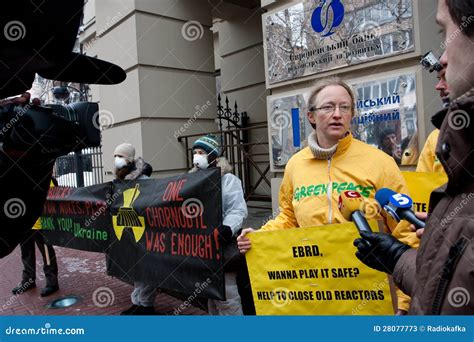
pixel 430 62
pixel 27 50
pixel 50 130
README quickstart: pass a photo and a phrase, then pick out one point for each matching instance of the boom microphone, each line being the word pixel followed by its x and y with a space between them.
pixel 398 206
pixel 349 205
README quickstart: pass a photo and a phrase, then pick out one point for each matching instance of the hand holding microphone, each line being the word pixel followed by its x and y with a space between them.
pixel 380 251
pixel 398 206
pixel 419 231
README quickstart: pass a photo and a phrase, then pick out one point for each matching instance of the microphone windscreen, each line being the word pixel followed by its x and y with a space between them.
pixel 383 196
pixel 350 201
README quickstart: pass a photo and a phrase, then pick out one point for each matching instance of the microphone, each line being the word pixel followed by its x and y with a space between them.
pixel 398 206
pixel 349 204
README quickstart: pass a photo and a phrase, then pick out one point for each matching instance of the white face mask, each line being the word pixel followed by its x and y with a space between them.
pixel 200 161
pixel 120 162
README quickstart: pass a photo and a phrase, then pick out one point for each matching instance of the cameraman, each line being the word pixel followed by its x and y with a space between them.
pixel 440 272
pixel 38 38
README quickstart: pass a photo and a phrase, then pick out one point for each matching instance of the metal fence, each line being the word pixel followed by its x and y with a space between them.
pixel 235 132
pixel 79 169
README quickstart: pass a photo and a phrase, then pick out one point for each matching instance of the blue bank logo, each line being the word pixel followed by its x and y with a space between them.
pixel 327 17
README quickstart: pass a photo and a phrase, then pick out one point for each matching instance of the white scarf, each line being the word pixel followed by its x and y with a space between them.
pixel 318 151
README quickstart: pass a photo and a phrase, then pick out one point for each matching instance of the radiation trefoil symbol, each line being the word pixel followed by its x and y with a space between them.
pixel 127 217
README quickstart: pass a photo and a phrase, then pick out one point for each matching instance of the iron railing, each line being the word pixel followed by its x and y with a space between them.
pixel 234 133
pixel 79 169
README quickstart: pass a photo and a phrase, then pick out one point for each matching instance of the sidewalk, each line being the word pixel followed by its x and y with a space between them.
pixel 81 274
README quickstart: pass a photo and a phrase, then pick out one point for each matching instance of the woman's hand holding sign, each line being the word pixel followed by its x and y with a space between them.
pixel 243 241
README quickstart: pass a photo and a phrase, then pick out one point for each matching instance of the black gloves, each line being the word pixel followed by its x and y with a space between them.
pixel 381 253
pixel 225 234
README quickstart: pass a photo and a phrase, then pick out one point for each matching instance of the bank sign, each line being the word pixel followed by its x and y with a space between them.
pixel 385 102
pixel 320 35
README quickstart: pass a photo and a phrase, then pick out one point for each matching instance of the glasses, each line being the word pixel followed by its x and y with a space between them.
pixel 329 109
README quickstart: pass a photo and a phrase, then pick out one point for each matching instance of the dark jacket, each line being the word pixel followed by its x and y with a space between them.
pixel 440 275
pixel 137 170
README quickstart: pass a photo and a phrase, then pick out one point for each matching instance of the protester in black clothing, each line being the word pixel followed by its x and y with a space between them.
pixel 28 258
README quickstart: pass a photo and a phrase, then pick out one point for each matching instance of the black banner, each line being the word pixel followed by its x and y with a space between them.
pixel 78 218
pixel 166 233
pixel 162 232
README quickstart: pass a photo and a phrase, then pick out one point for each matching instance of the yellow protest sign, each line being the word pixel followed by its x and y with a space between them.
pixel 420 185
pixel 314 271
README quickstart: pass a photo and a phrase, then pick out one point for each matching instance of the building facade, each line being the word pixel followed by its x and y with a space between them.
pixel 265 55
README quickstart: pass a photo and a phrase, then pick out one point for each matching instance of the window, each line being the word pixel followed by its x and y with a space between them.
pixel 375 91
pixel 383 88
pixel 367 92
pixel 392 86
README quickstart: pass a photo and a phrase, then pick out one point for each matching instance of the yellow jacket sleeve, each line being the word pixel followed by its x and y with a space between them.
pixel 403 300
pixel 427 155
pixel 286 218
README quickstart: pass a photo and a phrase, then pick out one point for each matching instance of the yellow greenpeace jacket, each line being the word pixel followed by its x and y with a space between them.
pixel 310 188
pixel 428 161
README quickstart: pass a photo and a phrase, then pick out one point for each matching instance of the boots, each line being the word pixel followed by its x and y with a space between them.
pixel 136 310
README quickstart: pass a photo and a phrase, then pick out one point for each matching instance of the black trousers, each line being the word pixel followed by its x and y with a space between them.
pixel 28 257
